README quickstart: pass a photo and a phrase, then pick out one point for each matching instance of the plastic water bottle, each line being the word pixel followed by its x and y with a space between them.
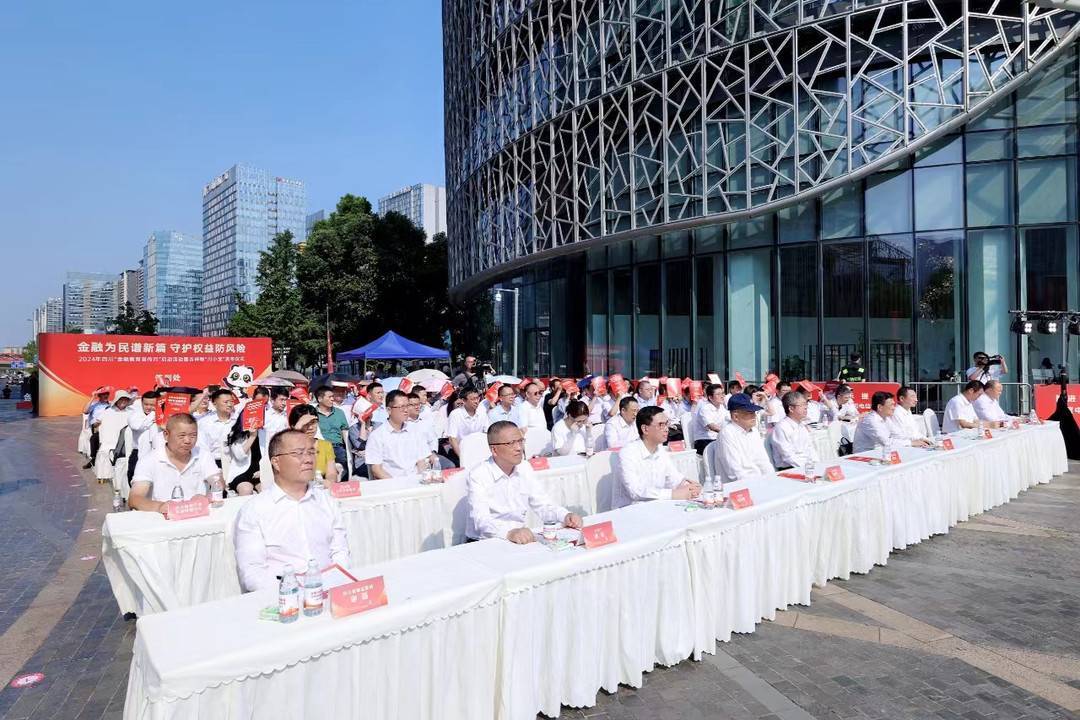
pixel 1033 417
pixel 810 471
pixel 177 492
pixel 318 481
pixel 313 590
pixel 217 490
pixel 589 444
pixel 117 502
pixel 288 598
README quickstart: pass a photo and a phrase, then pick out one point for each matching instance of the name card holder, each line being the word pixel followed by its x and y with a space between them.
pixel 348 489
pixel 450 472
pixel 539 463
pixel 834 473
pixel 740 499
pixel 198 506
pixel 358 597
pixel 987 434
pixel 894 458
pixel 677 446
pixel 948 444
pixel 598 535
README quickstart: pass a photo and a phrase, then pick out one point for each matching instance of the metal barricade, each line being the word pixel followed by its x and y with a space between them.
pixel 1016 398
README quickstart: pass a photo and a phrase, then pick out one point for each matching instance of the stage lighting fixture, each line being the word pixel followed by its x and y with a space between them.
pixel 1021 325
pixel 1048 326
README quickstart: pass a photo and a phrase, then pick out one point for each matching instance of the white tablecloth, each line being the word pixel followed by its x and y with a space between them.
pixel 431 653
pixel 542 628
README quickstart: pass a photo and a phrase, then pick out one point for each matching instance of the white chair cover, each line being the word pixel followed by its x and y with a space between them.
pixel 474 450
pixel 601 441
pixel 712 463
pixel 604 468
pixel 537 441
pixel 930 418
pixel 84 438
pixel 687 422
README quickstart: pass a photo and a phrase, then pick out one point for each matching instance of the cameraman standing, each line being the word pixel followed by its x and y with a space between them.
pixel 987 367
pixel 467 377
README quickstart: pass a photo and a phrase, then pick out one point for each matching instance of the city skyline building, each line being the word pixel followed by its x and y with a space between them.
pixel 89 301
pixel 243 209
pixel 172 267
pixel 424 204
pixel 49 316
pixel 128 290
pixel 674 190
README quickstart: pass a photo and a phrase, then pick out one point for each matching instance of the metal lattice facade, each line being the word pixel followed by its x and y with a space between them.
pixel 570 121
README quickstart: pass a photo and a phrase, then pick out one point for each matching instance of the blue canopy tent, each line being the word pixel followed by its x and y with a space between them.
pixel 392 346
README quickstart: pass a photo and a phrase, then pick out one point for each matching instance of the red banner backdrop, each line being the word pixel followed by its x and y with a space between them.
pixel 73 366
pixel 1046 399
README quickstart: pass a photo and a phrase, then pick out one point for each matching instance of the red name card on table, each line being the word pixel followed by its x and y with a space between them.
pixel 741 499
pixel 197 506
pixel 987 434
pixel 343 490
pixel 1015 425
pixel 834 473
pixel 894 458
pixel 539 463
pixel 598 535
pixel 947 443
pixel 357 597
pixel 677 446
pixel 450 472
pixel 792 475
pixel 859 458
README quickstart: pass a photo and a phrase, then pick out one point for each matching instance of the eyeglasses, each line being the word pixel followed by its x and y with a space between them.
pixel 512 442
pixel 396 407
pixel 298 453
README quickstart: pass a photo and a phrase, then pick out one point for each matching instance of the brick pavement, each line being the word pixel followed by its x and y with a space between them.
pixel 1011 582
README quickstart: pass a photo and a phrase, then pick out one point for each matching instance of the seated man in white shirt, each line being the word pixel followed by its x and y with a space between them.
pixel 645 470
pixel 903 422
pixel 275 418
pixel 288 523
pixel 646 393
pixel 215 427
pixel 570 436
pixel 709 417
pixel 875 431
pixel 960 411
pixel 529 414
pixel 179 463
pixel 396 449
pixel 504 406
pixel 503 488
pixel 468 419
pixel 621 430
pixel 774 408
pixel 142 420
pixel 742 452
pixel 790 438
pixel 988 405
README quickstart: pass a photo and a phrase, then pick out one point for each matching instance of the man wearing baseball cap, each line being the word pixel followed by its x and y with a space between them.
pixel 742 450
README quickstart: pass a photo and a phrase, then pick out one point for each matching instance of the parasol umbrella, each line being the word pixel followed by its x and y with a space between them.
pixel 290 375
pixel 334 379
pixel 271 381
pixel 424 375
pixel 434 385
pixel 505 380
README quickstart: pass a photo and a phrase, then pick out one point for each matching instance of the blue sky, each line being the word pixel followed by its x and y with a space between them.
pixel 114 115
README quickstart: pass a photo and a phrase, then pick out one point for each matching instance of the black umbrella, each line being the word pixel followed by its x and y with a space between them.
pixel 339 379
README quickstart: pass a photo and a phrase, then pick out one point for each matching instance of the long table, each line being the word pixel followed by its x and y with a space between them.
pixel 155 565
pixel 544 628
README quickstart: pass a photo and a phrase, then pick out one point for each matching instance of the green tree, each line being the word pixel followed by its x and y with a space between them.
pixel 128 322
pixel 279 313
pixel 29 351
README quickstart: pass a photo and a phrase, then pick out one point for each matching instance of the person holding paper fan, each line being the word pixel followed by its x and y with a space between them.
pixel 289 523
pixel 180 464
pixel 503 488
pixel 645 468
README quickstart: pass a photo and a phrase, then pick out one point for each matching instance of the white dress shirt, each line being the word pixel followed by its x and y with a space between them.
pixel 986 374
pixel 113 424
pixel 425 426
pixel 497 414
pixel 567 441
pixel 275 533
pixel 397 450
pixel 873 431
pixel 213 431
pixel 987 408
pixel 140 424
pixel 959 408
pixel 814 411
pixel 461 423
pixel 240 461
pixel 644 475
pixel 156 469
pixel 530 416
pixel 274 422
pixel 903 424
pixel 791 444
pixel 597 409
pixel 847 411
pixel 499 502
pixel 775 408
pixel 742 454
pixel 618 433
pixel 643 403
pixel 709 414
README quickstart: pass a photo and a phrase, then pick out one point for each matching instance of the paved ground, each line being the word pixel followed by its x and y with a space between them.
pixel 980 623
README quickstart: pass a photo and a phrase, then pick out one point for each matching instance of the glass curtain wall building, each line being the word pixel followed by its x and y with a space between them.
pixel 682 186
pixel 172 269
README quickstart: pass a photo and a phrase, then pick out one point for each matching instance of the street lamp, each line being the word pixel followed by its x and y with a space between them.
pixel 498 296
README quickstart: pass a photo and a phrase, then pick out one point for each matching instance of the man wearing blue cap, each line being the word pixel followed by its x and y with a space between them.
pixel 742 451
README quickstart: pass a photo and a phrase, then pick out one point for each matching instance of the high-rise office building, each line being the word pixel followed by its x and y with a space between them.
pixel 683 187
pixel 128 290
pixel 243 209
pixel 424 204
pixel 89 301
pixel 311 219
pixel 49 316
pixel 172 268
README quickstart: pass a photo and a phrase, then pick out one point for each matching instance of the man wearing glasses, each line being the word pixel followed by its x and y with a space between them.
pixel 288 523
pixel 503 488
pixel 645 468
pixel 790 439
pixel 396 448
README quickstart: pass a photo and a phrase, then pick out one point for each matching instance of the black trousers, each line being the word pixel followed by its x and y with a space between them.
pixel 95 445
pixel 133 458
pixel 700 445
